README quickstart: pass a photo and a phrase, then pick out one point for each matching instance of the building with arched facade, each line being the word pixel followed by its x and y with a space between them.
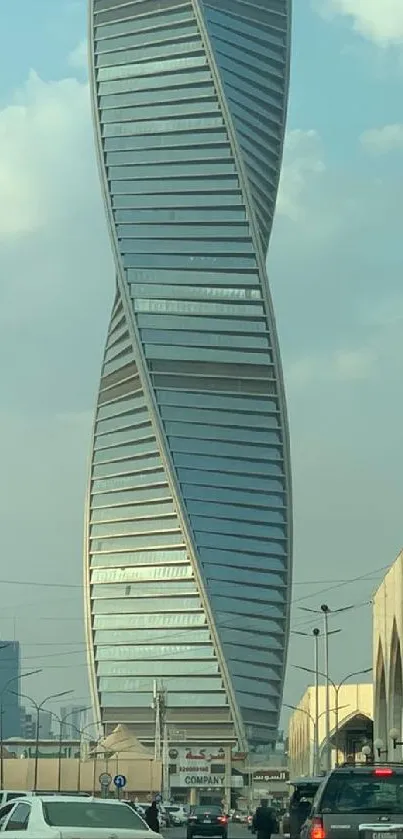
pixel 387 651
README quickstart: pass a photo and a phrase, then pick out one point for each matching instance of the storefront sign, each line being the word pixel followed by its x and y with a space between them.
pixel 196 780
pixel 267 776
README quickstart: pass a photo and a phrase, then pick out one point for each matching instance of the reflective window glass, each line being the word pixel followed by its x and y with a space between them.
pixel 156 476
pixel 226 541
pixel 247 654
pixel 150 98
pixel 210 169
pixel 180 185
pixel 165 141
pixel 223 418
pixel 165 278
pixel 137 511
pixel 132 575
pixel 125 558
pixel 145 68
pixel 196 307
pixel 154 35
pixel 143 290
pixel 120 652
pixel 137 24
pixel 126 543
pixel 200 682
pixel 103 441
pixel 220 432
pixel 247 560
pixel 229 464
pixel 249 623
pixel 161 126
pixel 260 502
pixel 175 110
pixel 196 248
pixel 186 231
pixel 258 640
pixel 128 404
pixel 140 589
pixel 242 576
pixel 221 479
pixel 143 657
pixel 253 671
pixel 151 52
pixel 226 403
pixel 243 528
pixel 162 667
pixel 136 496
pixel 168 155
pixel 134 465
pixel 113 626
pixel 224 448
pixel 249 700
pixel 155 604
pixel 237 513
pixel 267 601
pixel 114 453
pixel 161 525
pixel 121 421
pixel 176 200
pixel 201 340
pixel 177 700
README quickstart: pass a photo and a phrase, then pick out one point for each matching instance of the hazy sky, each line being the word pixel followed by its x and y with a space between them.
pixel 335 271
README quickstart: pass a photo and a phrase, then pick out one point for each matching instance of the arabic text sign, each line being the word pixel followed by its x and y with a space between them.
pixel 197 761
pixel 268 775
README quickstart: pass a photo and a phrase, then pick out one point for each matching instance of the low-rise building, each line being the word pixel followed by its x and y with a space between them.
pixel 351 726
pixel 387 651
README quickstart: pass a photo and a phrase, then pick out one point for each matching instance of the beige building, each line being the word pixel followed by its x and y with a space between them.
pixel 351 715
pixel 387 651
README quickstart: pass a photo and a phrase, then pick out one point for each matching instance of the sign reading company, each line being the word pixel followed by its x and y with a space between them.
pixel 193 767
pixel 196 780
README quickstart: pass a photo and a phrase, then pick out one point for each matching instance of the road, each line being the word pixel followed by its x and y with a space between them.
pixel 235 831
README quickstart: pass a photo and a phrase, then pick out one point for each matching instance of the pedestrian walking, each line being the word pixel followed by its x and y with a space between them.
pixel 264 821
pixel 152 817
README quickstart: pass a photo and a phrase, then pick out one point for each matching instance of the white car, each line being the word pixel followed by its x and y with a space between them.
pixel 73 817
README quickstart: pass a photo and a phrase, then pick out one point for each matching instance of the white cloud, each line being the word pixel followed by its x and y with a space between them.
pixel 43 144
pixel 344 365
pixel 379 20
pixel 380 141
pixel 78 58
pixel 302 161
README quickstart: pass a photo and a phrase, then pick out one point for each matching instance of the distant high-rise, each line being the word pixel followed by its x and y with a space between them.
pixel 188 556
pixel 10 678
pixel 74 717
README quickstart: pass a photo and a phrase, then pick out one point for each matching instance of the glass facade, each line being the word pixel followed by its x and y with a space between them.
pixel 188 536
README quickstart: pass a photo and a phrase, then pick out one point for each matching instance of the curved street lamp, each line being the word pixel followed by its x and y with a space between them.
pixel 336 688
pixel 2 692
pixel 39 706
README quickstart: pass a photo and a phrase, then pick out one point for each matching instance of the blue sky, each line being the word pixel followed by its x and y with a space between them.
pixel 335 269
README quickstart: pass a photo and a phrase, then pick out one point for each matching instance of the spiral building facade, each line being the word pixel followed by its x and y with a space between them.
pixel 188 538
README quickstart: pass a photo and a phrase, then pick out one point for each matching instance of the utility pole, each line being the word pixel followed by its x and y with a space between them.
pixel 161 732
pixel 316 633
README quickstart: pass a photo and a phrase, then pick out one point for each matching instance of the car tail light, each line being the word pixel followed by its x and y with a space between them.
pixel 317 830
pixel 383 772
pixel 222 819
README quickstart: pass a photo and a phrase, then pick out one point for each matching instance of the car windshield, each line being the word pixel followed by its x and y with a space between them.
pixel 207 808
pixel 363 793
pixel 91 814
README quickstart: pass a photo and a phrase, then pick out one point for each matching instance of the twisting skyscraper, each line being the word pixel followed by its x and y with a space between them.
pixel 188 542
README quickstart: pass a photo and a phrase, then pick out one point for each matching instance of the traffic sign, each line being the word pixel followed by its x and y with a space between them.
pixel 105 779
pixel 119 781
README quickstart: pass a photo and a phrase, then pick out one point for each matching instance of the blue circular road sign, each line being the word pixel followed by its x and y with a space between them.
pixel 119 781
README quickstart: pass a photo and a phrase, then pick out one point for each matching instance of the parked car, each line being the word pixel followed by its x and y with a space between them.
pixel 358 800
pixel 68 817
pixel 207 820
pixel 176 815
pixel 304 791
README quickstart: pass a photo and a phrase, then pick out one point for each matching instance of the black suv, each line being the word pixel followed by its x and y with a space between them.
pixel 362 801
pixel 207 820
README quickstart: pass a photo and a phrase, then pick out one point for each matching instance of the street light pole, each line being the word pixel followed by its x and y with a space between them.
pixel 307 714
pixel 316 633
pixel 4 690
pixel 325 610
